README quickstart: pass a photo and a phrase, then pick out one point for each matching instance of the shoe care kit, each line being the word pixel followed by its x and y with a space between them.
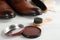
pixel 10 8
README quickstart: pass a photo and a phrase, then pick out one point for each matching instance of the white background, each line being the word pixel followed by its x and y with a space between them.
pixel 50 31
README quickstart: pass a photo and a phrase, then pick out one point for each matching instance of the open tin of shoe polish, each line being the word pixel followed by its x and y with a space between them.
pixel 31 32
pixel 14 30
pixel 37 21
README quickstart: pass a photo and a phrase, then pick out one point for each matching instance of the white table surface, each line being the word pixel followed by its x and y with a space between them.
pixel 50 31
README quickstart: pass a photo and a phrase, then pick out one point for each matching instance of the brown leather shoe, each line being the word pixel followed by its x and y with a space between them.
pixel 5 11
pixel 23 7
pixel 40 4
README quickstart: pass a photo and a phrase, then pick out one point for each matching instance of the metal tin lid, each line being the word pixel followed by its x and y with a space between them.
pixel 31 32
